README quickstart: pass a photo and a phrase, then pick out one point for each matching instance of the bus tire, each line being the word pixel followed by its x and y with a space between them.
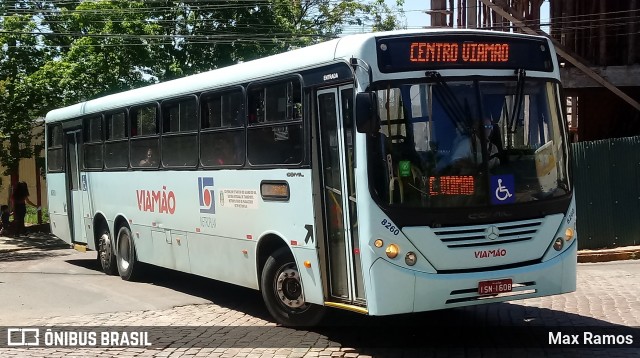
pixel 126 255
pixel 106 253
pixel 283 293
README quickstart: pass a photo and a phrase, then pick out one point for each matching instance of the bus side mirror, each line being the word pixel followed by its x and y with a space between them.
pixel 366 119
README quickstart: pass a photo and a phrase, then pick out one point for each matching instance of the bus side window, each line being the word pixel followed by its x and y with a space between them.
pixel 275 136
pixel 116 153
pixel 222 148
pixel 222 140
pixel 144 136
pixel 92 144
pixel 179 133
pixel 55 151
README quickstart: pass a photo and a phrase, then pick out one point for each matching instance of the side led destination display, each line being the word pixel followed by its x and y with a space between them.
pixel 411 53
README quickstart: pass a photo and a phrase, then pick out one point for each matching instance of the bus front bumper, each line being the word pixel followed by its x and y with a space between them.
pixel 398 290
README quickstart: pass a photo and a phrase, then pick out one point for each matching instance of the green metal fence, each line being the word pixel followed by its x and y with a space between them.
pixel 607 185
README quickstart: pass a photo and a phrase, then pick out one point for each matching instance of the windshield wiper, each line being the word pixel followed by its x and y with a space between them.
pixel 450 103
pixel 517 105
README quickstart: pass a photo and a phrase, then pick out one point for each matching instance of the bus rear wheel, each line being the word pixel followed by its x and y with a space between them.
pixel 127 262
pixel 106 256
pixel 283 293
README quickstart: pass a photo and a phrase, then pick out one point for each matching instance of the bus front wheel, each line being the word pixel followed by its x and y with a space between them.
pixel 106 256
pixel 126 259
pixel 283 294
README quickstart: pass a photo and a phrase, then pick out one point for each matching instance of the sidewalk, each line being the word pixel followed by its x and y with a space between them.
pixel 36 237
pixel 40 238
pixel 604 255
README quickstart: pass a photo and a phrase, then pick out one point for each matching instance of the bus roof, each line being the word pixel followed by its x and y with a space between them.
pixel 295 60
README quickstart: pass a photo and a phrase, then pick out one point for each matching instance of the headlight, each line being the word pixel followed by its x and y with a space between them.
pixel 392 251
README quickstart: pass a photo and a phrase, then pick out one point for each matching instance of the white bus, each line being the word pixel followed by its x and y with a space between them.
pixel 382 173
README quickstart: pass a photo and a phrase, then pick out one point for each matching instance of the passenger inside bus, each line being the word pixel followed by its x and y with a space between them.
pixel 224 152
pixel 149 160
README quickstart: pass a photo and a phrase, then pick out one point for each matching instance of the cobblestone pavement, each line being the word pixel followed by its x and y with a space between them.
pixel 237 324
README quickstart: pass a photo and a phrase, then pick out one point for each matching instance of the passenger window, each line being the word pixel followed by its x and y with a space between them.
pixel 222 137
pixel 116 126
pixel 144 133
pixel 144 153
pixel 55 152
pixel 223 110
pixel 275 131
pixel 222 148
pixel 116 146
pixel 275 102
pixel 180 116
pixel 275 145
pixel 180 137
pixel 144 121
pixel 92 147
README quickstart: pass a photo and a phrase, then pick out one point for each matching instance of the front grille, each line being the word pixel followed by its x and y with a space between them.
pixel 476 236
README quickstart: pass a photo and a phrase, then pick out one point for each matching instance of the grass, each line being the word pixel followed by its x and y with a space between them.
pixel 32 215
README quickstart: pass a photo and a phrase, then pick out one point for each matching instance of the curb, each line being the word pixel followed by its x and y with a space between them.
pixel 606 255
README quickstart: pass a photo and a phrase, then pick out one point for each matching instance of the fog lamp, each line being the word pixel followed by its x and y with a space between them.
pixel 410 258
pixel 558 244
pixel 392 251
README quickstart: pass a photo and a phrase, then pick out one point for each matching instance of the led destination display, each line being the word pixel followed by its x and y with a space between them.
pixel 452 52
pixel 396 54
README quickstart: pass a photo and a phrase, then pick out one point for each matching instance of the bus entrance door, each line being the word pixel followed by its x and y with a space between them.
pixel 335 107
pixel 74 184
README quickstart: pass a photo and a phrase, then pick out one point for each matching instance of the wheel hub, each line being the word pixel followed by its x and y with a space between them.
pixel 105 247
pixel 289 289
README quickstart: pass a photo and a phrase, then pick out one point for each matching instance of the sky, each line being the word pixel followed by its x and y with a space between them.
pixel 414 11
pixel 417 18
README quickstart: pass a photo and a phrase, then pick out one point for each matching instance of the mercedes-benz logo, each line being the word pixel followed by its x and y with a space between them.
pixel 492 232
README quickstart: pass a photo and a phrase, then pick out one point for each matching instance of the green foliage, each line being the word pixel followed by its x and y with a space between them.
pixel 60 52
pixel 20 57
pixel 32 215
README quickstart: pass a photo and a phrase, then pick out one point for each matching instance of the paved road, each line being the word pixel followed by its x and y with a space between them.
pixel 189 316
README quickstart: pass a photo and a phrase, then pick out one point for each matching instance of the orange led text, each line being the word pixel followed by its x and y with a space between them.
pixel 439 52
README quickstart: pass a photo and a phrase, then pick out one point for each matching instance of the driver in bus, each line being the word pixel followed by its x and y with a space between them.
pixel 462 155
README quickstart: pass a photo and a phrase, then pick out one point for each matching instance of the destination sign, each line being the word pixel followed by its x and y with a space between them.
pixel 452 52
pixel 430 52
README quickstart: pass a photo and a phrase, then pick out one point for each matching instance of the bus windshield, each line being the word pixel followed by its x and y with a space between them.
pixel 468 143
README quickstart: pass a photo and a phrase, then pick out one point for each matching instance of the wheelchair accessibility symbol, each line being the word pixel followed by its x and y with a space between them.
pixel 502 189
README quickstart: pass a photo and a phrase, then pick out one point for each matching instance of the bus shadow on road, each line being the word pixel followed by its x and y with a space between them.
pixel 220 293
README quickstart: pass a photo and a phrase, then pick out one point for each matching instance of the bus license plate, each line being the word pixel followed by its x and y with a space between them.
pixel 495 286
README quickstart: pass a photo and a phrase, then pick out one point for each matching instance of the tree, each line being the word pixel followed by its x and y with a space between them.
pixel 101 47
pixel 20 57
pixel 108 46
